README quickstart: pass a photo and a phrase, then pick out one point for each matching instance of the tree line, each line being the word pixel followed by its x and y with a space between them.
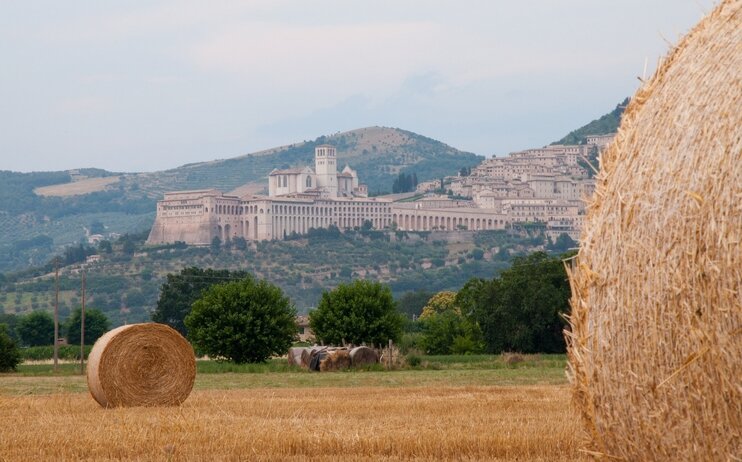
pixel 235 316
pixel 522 309
pixel 405 182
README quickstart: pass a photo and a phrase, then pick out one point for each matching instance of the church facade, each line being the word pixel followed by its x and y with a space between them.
pixel 298 199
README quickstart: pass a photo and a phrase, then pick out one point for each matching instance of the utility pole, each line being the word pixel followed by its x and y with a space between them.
pixel 82 327
pixel 56 313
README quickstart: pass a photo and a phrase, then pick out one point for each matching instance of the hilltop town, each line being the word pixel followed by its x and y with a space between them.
pixel 545 185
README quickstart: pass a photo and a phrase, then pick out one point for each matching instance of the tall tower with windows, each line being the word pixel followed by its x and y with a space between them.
pixel 325 165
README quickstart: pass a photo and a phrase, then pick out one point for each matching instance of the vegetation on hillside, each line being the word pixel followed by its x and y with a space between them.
pixel 604 125
pixel 404 183
pixel 126 283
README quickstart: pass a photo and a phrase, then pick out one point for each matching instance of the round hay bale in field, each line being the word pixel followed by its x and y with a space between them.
pixel 141 365
pixel 362 356
pixel 655 344
pixel 316 355
pixel 306 357
pixel 295 356
pixel 335 360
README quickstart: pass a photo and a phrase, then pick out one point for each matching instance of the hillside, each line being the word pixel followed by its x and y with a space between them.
pixel 42 212
pixel 125 283
pixel 604 125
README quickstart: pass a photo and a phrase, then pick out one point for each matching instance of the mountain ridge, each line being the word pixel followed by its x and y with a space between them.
pixel 63 205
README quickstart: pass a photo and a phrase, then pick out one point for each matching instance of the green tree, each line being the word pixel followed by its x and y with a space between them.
pixel 523 309
pixel 36 329
pixel 239 243
pixel 216 244
pixel 449 332
pixel 97 227
pixel 439 303
pixel 10 356
pixel 246 321
pixel 358 312
pixel 562 244
pixel 10 320
pixel 96 324
pixel 412 303
pixel 180 290
pixel 105 246
pixel 129 247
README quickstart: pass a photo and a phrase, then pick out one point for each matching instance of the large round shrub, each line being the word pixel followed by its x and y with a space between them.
pixel 359 312
pixel 246 321
pixel 36 329
pixel 96 324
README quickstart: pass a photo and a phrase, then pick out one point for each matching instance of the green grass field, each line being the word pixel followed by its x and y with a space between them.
pixel 453 370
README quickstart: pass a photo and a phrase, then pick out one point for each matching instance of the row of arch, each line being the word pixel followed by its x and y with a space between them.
pixel 414 222
pixel 283 225
pixel 241 229
pixel 223 209
pixel 325 211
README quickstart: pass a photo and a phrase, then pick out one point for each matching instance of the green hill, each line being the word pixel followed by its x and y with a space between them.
pixel 41 212
pixel 604 125
pixel 377 153
pixel 125 283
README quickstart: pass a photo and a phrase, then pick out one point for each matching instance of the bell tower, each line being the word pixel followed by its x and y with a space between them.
pixel 325 165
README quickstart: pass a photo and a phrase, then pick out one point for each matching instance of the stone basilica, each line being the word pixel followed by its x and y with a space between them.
pixel 542 185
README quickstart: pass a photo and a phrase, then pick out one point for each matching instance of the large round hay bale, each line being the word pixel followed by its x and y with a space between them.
pixel 316 355
pixel 656 327
pixel 141 365
pixel 306 357
pixel 335 360
pixel 362 356
pixel 295 356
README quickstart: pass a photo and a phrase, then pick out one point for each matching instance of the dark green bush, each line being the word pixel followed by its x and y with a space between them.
pixel 9 354
pixel 41 353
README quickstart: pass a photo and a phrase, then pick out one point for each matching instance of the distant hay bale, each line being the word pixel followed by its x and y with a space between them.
pixel 335 360
pixel 306 357
pixel 512 359
pixel 295 356
pixel 362 356
pixel 141 365
pixel 655 345
pixel 316 355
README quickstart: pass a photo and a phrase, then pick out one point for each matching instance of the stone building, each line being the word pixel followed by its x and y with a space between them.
pixel 545 185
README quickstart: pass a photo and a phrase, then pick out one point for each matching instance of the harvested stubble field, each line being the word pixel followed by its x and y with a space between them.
pixel 366 415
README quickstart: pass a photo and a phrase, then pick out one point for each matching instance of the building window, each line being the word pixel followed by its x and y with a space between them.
pixel 309 181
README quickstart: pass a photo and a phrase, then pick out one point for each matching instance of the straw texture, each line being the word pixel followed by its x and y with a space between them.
pixel 141 365
pixel 294 356
pixel 335 360
pixel 363 356
pixel 655 346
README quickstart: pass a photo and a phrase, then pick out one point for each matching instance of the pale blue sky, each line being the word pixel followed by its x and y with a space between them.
pixel 149 85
